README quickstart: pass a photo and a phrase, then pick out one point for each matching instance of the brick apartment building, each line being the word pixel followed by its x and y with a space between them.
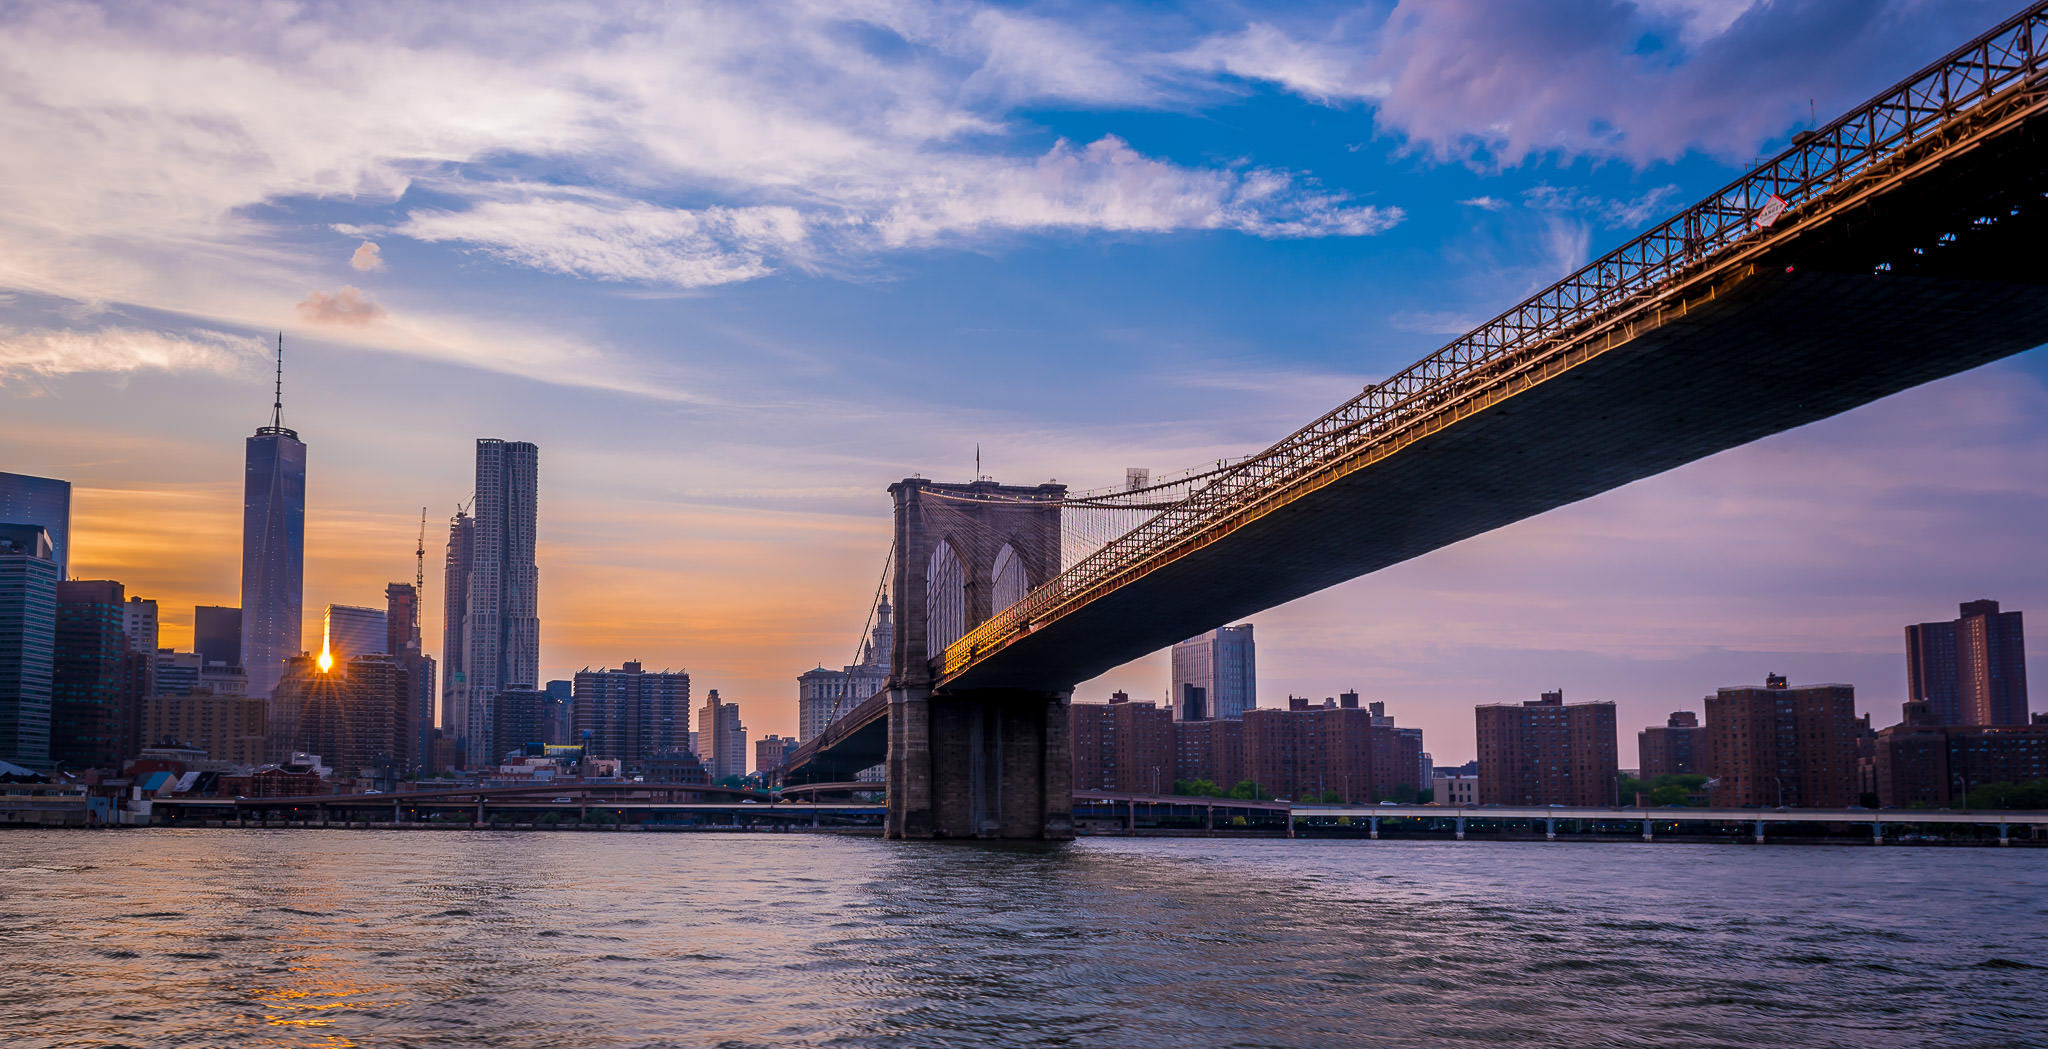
pixel 1548 752
pixel 1779 745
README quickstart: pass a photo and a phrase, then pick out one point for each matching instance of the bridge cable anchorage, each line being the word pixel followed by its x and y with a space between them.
pixel 1999 76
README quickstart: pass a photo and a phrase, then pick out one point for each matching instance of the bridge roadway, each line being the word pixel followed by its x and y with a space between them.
pixel 572 797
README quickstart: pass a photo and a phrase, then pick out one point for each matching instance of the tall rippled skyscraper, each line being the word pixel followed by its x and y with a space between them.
pixel 501 622
pixel 273 545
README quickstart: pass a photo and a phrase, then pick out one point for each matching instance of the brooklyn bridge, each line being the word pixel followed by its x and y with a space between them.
pixel 1896 244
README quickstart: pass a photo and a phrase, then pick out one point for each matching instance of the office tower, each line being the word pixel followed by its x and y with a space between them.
pixel 28 638
pixel 92 705
pixel 43 501
pixel 520 717
pixel 824 696
pixel 564 728
pixel 1779 745
pixel 347 715
pixel 1545 752
pixel 1314 751
pixel 1673 748
pixel 770 753
pixel 455 606
pixel 273 546
pixel 177 674
pixel 501 624
pixel 402 639
pixel 1215 675
pixel 1973 669
pixel 630 714
pixel 217 634
pixel 1122 746
pixel 1923 762
pixel 353 630
pixel 720 733
pixel 138 622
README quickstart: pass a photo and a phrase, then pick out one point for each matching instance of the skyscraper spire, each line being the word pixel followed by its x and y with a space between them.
pixel 277 401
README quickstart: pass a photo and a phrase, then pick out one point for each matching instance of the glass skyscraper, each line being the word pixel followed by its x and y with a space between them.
pixel 1215 675
pixel 28 633
pixel 43 501
pixel 273 547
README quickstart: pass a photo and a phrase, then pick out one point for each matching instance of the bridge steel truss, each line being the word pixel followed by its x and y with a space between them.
pixel 1992 82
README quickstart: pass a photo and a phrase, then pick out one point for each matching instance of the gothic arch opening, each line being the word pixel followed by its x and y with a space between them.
pixel 1008 578
pixel 945 599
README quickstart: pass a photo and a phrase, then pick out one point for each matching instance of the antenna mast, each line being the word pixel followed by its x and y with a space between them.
pixel 277 400
pixel 419 574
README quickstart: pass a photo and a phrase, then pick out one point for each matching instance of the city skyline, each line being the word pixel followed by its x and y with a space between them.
pixel 717 463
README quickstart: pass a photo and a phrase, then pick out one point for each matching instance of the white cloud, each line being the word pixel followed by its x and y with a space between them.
pixel 43 354
pixel 368 258
pixel 615 239
pixel 346 306
pixel 1485 203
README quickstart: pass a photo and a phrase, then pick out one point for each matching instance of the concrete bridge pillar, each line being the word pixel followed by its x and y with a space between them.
pixel 2005 834
pixel 1375 820
pixel 1550 829
pixel 1876 833
pixel 1461 828
pixel 1646 830
pixel 1759 832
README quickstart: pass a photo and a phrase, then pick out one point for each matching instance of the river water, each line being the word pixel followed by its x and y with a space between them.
pixel 391 938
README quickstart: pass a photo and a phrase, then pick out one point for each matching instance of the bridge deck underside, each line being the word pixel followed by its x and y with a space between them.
pixel 1768 351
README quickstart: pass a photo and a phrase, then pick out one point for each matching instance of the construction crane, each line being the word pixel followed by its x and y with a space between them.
pixel 419 575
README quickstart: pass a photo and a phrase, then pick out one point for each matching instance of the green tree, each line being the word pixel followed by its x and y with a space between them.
pixel 1197 788
pixel 2029 795
pixel 1246 790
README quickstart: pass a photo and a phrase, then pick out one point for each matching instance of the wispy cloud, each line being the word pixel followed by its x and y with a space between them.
pixel 346 306
pixel 121 350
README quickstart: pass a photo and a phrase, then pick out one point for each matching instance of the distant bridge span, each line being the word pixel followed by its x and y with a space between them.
pixel 1898 244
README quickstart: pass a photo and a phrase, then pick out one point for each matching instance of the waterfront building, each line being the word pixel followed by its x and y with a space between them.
pixel 1307 750
pixel 824 696
pixel 1673 748
pixel 631 715
pixel 723 736
pixel 1210 750
pixel 1454 788
pixel 1779 745
pixel 1973 669
pixel 273 546
pixel 44 501
pixel 228 728
pixel 1215 675
pixel 1122 746
pixel 1547 752
pixel 770 752
pixel 217 634
pixel 28 638
pixel 92 684
pixel 1921 761
pixel 501 621
pixel 349 631
pixel 676 765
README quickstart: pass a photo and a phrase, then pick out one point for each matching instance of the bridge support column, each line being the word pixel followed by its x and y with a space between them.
pixel 1876 833
pixel 1131 816
pixel 1290 821
pixel 1550 829
pixel 1461 828
pixel 1375 820
pixel 983 764
pixel 1646 830
pixel 2005 834
pixel 1209 817
pixel 1759 832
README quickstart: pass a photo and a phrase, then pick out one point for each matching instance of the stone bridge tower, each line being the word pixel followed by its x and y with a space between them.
pixel 985 763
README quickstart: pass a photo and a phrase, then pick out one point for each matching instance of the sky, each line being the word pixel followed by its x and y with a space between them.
pixel 736 267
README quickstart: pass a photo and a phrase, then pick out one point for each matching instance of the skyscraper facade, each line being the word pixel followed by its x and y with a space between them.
pixel 630 714
pixel 43 501
pixel 353 630
pixel 455 608
pixel 28 637
pixel 501 625
pixel 1215 675
pixel 217 634
pixel 402 639
pixel 1973 669
pixel 138 622
pixel 1779 745
pixel 92 706
pixel 273 547
pixel 1545 752
pixel 722 737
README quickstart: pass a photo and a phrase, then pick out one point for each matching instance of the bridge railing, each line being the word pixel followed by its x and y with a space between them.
pixel 2005 65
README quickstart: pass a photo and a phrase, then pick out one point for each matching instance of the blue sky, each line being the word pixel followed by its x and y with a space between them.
pixel 737 267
